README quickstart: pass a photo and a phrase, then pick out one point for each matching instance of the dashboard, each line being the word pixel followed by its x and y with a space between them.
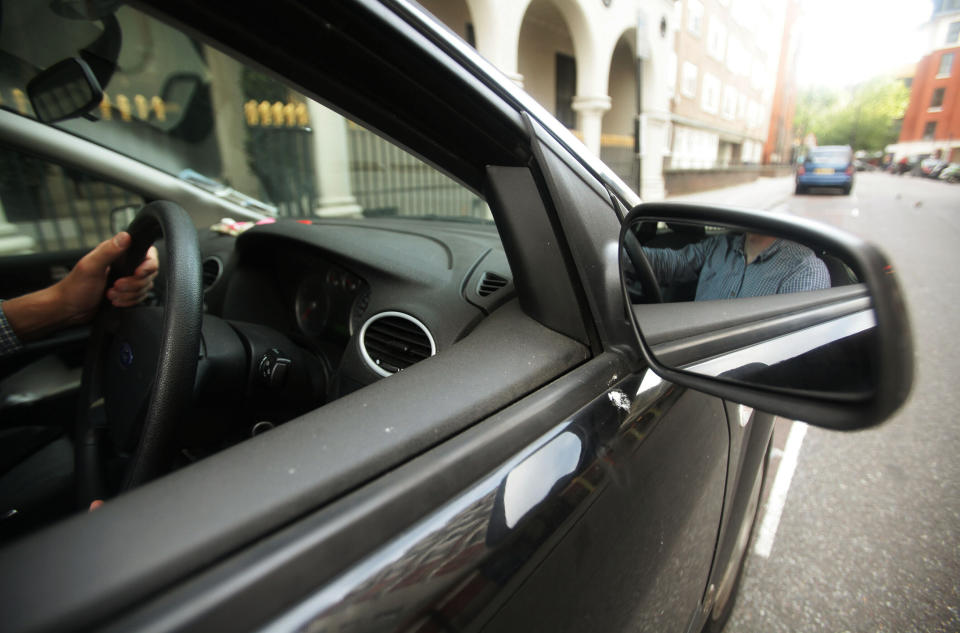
pixel 369 297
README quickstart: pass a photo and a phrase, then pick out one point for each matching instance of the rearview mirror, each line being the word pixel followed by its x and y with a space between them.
pixel 65 90
pixel 772 311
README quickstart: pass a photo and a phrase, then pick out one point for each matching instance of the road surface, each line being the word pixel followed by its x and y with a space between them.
pixel 869 534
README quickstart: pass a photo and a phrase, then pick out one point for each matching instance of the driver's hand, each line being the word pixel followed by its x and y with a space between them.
pixel 81 290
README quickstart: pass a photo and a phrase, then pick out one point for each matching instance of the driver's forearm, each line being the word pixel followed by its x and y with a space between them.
pixel 34 315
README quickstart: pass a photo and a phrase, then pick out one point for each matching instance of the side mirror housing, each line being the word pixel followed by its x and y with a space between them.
pixel 776 312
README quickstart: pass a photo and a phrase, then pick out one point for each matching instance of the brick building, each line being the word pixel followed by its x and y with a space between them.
pixel 932 120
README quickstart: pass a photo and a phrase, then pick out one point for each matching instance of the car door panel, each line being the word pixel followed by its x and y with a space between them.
pixel 265 482
pixel 656 520
pixel 508 514
pixel 640 557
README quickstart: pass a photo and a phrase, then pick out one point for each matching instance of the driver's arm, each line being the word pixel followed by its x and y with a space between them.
pixel 675 266
pixel 75 298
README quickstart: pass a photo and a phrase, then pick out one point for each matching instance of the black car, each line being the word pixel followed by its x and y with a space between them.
pixel 418 376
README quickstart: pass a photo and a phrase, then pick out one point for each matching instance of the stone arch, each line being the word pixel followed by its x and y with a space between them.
pixel 544 44
pixel 618 125
pixel 622 86
pixel 456 14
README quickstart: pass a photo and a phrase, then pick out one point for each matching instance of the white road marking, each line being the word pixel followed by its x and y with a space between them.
pixel 778 494
pixel 855 212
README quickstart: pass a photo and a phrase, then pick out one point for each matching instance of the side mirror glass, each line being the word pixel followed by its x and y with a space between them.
pixel 65 90
pixel 768 310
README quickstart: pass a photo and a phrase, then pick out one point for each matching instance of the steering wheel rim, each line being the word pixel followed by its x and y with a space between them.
pixel 170 368
pixel 642 267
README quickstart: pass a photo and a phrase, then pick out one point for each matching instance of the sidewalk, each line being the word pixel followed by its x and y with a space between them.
pixel 761 194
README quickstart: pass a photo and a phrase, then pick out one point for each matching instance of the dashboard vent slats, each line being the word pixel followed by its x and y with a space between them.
pixel 490 283
pixel 392 341
pixel 212 269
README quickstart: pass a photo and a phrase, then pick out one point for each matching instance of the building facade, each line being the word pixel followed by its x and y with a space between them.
pixel 931 123
pixel 578 59
pixel 727 56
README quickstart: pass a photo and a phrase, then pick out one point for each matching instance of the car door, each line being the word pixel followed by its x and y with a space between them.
pixel 534 462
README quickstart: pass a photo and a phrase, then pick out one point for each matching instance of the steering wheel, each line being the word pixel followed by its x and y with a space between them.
pixel 141 363
pixel 641 267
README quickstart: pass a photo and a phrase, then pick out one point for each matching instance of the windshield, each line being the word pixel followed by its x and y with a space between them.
pixel 187 109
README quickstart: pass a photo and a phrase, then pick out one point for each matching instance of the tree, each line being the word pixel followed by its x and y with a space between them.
pixel 863 116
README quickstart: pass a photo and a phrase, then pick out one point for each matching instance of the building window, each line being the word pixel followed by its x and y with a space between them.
pixel 729 110
pixel 566 88
pixel 937 101
pixel 695 16
pixel 929 130
pixel 688 85
pixel 953 33
pixel 753 113
pixel 946 63
pixel 716 39
pixel 710 101
pixel 671 73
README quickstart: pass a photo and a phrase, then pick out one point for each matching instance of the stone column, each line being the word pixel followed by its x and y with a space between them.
pixel 590 110
pixel 496 24
pixel 226 93
pixel 331 162
pixel 653 133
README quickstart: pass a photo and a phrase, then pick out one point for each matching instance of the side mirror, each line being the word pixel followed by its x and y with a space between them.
pixel 65 90
pixel 772 311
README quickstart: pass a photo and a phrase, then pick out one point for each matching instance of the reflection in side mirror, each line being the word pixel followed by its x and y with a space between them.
pixel 696 262
pixel 65 90
pixel 783 312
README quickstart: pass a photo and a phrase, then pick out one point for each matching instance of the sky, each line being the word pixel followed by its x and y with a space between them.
pixel 847 41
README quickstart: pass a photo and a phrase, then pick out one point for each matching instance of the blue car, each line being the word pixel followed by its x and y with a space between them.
pixel 827 166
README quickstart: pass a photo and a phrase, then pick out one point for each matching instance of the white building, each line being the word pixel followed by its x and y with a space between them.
pixel 578 58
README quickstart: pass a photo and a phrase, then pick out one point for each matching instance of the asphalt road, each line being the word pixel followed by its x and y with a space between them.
pixel 869 535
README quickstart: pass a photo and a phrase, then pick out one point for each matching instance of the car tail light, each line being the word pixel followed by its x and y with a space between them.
pixel 849 170
pixel 801 170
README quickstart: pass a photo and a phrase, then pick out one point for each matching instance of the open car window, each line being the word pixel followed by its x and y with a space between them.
pixel 361 259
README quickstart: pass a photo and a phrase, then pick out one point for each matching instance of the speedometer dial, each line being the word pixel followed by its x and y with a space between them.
pixel 312 305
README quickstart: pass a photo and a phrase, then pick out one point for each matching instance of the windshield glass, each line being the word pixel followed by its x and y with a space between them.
pixel 187 109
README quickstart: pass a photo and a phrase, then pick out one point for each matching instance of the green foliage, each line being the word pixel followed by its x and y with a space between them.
pixel 864 116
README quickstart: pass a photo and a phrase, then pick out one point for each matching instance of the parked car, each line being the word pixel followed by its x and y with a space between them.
pixel 931 167
pixel 826 166
pixel 951 173
pixel 410 369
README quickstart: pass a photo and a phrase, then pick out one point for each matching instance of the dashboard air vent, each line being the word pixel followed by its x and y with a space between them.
pixel 392 341
pixel 212 269
pixel 490 283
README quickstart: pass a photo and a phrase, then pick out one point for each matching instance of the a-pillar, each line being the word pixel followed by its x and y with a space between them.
pixel 590 111
pixel 331 155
